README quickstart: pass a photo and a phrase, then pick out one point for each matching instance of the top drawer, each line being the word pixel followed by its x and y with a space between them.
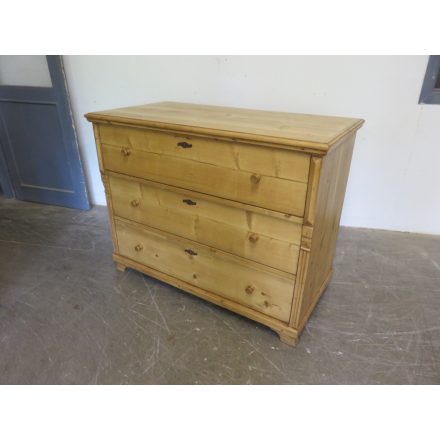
pixel 272 178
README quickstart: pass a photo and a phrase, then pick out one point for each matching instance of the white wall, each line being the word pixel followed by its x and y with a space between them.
pixel 395 178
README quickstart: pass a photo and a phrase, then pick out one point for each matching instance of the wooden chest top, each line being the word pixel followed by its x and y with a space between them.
pixel 294 130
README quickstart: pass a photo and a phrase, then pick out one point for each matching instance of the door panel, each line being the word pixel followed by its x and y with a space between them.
pixel 47 152
pixel 38 137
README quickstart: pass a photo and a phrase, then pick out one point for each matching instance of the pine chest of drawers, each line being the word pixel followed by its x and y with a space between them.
pixel 239 207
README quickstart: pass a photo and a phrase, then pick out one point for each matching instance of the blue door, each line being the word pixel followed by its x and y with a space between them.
pixel 39 155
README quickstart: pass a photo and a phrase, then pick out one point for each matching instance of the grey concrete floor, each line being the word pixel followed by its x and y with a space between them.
pixel 68 317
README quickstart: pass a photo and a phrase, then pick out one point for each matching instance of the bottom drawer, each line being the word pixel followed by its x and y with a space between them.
pixel 204 267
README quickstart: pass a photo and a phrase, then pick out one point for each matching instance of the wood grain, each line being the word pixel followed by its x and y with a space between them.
pixel 210 198
pixel 232 155
pixel 315 260
pixel 286 196
pixel 262 238
pixel 288 334
pixel 238 207
pixel 104 179
pixel 289 129
pixel 208 269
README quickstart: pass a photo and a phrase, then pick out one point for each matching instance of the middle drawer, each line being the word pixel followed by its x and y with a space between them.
pixel 255 236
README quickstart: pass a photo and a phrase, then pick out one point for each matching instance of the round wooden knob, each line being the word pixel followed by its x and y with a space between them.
pixel 253 237
pixel 255 178
pixel 125 151
pixel 138 247
pixel 249 289
pixel 134 203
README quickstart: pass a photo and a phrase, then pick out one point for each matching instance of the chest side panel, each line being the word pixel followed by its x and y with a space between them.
pixel 328 182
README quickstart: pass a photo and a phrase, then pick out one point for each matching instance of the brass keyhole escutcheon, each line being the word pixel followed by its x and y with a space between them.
pixel 134 203
pixel 249 289
pixel 190 252
pixel 184 144
pixel 189 202
pixel 125 151
pixel 255 178
pixel 253 237
pixel 138 247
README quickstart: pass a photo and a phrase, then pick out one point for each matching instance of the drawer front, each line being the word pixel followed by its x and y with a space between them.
pixel 271 178
pixel 213 271
pixel 273 162
pixel 258 237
